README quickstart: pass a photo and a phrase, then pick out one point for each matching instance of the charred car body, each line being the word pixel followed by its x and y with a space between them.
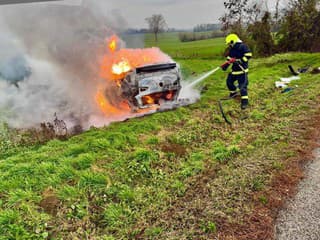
pixel 151 85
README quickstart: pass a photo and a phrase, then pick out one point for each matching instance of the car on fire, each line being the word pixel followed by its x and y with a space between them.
pixel 151 85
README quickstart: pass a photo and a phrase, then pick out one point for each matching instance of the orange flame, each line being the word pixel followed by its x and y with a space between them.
pixel 113 43
pixel 121 67
pixel 149 100
pixel 104 105
pixel 116 64
pixel 107 108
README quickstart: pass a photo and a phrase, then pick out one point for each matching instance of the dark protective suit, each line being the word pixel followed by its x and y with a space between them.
pixel 240 70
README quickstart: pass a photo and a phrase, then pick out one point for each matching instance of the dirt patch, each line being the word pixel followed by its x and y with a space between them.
pixel 50 203
pixel 177 149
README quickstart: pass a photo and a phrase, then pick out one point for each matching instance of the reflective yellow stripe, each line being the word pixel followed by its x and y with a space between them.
pixel 229 58
pixel 245 59
pixel 244 97
pixel 240 72
pixel 249 54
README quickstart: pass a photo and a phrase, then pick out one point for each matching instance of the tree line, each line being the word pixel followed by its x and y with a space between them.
pixel 295 27
pixel 197 36
pixel 207 27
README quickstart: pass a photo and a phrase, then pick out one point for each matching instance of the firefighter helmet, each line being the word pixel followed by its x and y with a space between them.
pixel 232 39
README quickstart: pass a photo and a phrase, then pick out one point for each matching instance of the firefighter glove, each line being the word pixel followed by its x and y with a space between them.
pixel 232 60
pixel 225 66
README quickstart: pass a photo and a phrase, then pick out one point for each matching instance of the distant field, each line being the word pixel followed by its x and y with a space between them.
pixel 170 43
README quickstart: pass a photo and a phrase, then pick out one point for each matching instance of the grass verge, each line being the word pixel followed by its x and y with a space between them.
pixel 182 174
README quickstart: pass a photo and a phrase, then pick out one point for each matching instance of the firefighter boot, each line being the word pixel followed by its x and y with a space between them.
pixel 244 103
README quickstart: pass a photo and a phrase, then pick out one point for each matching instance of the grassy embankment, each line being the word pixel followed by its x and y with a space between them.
pixel 181 174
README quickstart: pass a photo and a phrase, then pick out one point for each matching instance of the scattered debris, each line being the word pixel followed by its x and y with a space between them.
pixel 316 70
pixel 290 79
pixel 288 89
pixel 283 83
pixel 280 84
pixel 300 70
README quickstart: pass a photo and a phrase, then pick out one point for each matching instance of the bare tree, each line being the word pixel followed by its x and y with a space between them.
pixel 234 17
pixel 235 10
pixel 156 24
pixel 276 15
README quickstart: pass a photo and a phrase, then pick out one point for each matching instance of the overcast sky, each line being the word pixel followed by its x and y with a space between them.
pixel 178 13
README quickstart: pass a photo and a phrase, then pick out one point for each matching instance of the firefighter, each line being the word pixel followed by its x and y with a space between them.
pixel 239 56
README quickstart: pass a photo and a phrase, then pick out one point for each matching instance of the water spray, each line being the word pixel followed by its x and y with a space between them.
pixel 223 66
pixel 202 78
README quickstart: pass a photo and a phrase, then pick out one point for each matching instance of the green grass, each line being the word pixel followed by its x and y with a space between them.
pixel 204 49
pixel 145 176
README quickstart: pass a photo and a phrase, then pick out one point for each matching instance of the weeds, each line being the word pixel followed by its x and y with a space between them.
pixel 209 227
pixel 222 153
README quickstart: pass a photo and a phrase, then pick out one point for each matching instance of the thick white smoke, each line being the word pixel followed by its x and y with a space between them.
pixel 50 62
pixel 50 56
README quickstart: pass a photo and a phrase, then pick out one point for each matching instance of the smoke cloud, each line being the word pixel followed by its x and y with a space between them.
pixel 49 62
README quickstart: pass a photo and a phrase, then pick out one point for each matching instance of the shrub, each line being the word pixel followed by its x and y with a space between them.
pixel 193 36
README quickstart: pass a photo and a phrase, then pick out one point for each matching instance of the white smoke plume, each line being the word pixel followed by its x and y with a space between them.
pixel 50 56
pixel 49 62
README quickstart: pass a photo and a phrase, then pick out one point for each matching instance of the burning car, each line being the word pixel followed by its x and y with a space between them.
pixel 145 78
pixel 151 85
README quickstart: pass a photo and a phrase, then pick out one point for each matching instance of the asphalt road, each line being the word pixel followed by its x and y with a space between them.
pixel 300 220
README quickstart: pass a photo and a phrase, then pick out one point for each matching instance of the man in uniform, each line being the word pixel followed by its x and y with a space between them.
pixel 239 56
